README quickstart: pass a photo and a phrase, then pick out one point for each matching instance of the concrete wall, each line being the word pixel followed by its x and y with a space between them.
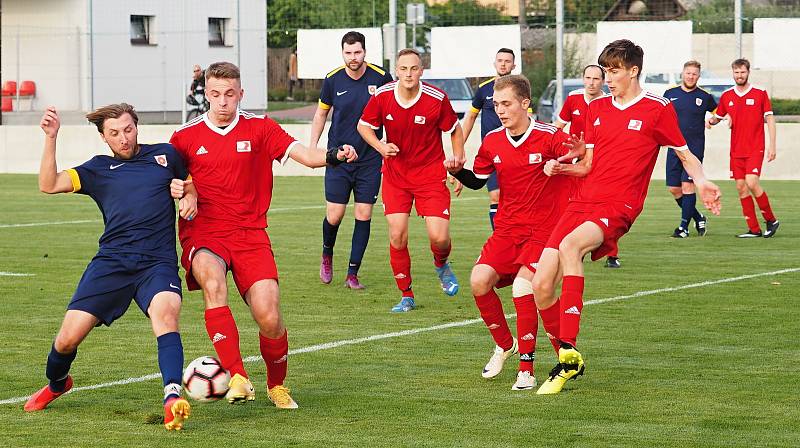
pixel 21 146
pixel 715 52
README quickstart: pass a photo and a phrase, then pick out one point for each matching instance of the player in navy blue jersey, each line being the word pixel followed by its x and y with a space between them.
pixel 136 259
pixel 691 103
pixel 482 103
pixel 347 90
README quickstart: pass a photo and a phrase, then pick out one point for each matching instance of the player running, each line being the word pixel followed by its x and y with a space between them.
pixel 573 112
pixel 624 131
pixel 136 259
pixel 347 90
pixel 482 103
pixel 746 108
pixel 414 114
pixel 691 103
pixel 531 203
pixel 229 154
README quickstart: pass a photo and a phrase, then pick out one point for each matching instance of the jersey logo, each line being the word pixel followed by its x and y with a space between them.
pixel 371 89
pixel 635 125
pixel 698 101
pixel 534 158
pixel 489 97
pixel 419 119
pixel 750 101
pixel 389 117
pixel 113 167
pixel 576 112
pixel 496 159
pixel 243 146
pixel 201 151
pixel 341 93
pixel 597 122
pixel 675 99
pixel 161 159
pixel 730 103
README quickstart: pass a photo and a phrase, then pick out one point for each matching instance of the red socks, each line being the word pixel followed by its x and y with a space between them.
pixel 275 353
pixel 749 212
pixel 491 309
pixel 766 210
pixel 571 306
pixel 527 326
pixel 551 321
pixel 440 255
pixel 401 268
pixel 224 336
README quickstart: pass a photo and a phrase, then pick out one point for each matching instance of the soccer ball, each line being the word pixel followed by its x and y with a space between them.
pixel 205 380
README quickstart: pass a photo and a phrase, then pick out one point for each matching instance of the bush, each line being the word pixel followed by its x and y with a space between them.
pixel 785 107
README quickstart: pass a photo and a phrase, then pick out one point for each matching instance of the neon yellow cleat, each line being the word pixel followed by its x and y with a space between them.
pixel 176 411
pixel 240 390
pixel 280 396
pixel 570 366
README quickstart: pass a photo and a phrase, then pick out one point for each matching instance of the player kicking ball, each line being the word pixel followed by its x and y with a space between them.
pixel 414 115
pixel 624 131
pixel 530 204
pixel 136 259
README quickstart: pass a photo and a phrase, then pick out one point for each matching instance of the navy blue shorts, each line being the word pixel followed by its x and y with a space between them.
pixel 110 283
pixel 675 172
pixel 363 180
pixel 491 183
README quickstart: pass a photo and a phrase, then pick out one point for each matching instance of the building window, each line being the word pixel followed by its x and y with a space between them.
pixel 142 30
pixel 218 32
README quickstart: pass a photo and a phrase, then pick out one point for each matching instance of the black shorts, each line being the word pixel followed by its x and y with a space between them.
pixel 363 180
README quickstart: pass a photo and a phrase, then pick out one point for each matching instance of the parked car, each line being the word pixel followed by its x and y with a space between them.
pixel 544 108
pixel 715 86
pixel 457 89
pixel 658 83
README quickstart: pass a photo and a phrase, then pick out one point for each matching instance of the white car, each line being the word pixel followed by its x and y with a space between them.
pixel 458 90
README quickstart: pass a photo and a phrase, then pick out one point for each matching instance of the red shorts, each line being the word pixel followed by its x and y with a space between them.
pixel 247 253
pixel 431 199
pixel 740 167
pixel 506 254
pixel 614 219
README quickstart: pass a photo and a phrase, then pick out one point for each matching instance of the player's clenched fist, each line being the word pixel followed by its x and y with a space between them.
pixel 347 154
pixel 389 150
pixel 50 122
pixel 177 187
pixel 552 167
pixel 453 165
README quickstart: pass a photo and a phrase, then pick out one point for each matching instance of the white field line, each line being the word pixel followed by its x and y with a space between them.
pixel 413 331
pixel 272 210
pixel 14 274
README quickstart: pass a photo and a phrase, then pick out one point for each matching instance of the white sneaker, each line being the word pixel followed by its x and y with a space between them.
pixel 525 381
pixel 495 364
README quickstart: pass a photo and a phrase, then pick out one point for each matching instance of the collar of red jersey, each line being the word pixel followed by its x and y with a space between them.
pixel 629 103
pixel 400 101
pixel 517 143
pixel 218 130
pixel 749 88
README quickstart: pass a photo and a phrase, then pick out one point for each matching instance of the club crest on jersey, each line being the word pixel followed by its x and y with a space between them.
pixel 419 119
pixel 371 89
pixel 535 158
pixel 243 146
pixel 750 101
pixel 635 125
pixel 161 159
pixel 698 101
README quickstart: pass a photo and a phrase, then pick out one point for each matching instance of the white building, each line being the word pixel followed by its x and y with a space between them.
pixel 86 53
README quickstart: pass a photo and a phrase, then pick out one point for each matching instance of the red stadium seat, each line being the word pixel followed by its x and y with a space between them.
pixel 27 88
pixel 7 105
pixel 9 88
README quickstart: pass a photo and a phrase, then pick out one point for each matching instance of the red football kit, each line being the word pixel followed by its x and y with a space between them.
pixel 416 174
pixel 231 169
pixel 747 111
pixel 531 202
pixel 625 139
pixel 574 112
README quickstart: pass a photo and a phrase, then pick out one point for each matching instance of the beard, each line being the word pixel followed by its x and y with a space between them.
pixel 742 82
pixel 355 66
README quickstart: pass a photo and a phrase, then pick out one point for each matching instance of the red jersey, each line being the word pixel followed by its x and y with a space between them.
pixel 747 111
pixel 530 201
pixel 416 128
pixel 231 168
pixel 574 112
pixel 626 139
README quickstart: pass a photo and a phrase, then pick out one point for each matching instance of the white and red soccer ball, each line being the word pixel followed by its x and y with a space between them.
pixel 205 379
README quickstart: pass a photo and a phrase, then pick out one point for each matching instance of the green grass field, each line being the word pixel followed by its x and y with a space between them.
pixel 709 365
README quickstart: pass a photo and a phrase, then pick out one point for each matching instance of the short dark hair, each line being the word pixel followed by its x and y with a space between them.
pixel 509 51
pixel 622 53
pixel 223 70
pixel 99 116
pixel 741 62
pixel 352 37
pixel 692 63
pixel 518 83
pixel 602 70
pixel 406 51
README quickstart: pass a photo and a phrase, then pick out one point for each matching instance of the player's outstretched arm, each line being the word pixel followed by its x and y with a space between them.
pixel 50 180
pixel 771 151
pixel 457 140
pixel 709 191
pixel 316 158
pixel 318 125
pixel 468 123
pixel 580 169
